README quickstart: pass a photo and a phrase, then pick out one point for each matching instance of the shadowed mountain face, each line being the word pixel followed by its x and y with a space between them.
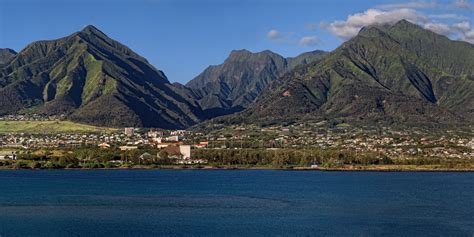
pixel 233 85
pixel 6 55
pixel 398 73
pixel 93 79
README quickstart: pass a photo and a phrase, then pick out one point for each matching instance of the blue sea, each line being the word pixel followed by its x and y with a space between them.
pixel 235 203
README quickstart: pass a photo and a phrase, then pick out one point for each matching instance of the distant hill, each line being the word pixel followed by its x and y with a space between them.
pixel 93 79
pixel 397 73
pixel 6 55
pixel 232 86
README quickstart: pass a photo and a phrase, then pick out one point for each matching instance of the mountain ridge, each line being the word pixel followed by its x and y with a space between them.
pixel 233 85
pixel 399 73
pixel 394 74
pixel 81 74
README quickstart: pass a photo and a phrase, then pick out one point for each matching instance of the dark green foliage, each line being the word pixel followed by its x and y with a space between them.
pixel 288 157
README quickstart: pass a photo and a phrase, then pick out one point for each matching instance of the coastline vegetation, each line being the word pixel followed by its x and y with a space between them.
pixel 287 158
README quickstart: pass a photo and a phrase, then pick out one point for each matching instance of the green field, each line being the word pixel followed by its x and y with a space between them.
pixel 49 127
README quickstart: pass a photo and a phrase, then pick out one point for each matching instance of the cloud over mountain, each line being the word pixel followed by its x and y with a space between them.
pixel 352 25
pixel 445 22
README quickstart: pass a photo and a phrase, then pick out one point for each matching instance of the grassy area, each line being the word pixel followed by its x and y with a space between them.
pixel 343 125
pixel 49 127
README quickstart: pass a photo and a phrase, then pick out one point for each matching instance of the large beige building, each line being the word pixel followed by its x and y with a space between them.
pixel 185 151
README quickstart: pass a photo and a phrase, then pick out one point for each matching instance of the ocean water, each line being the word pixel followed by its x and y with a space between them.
pixel 235 203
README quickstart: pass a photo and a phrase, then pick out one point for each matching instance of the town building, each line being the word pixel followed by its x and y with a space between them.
pixel 185 151
pixel 104 145
pixel 128 148
pixel 129 131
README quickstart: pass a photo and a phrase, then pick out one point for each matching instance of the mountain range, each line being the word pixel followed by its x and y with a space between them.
pixel 398 73
pixel 232 86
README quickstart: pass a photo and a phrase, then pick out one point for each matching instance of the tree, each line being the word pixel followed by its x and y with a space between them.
pixel 163 154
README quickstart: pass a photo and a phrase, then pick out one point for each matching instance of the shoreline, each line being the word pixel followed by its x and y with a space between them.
pixel 396 169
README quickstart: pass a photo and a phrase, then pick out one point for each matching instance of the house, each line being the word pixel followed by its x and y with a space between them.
pixel 146 156
pixel 154 134
pixel 157 139
pixel 129 131
pixel 192 161
pixel 166 144
pixel 8 155
pixel 178 132
pixel 201 144
pixel 128 148
pixel 173 138
pixel 104 145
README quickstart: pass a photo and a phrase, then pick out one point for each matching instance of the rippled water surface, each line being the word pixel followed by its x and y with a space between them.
pixel 235 203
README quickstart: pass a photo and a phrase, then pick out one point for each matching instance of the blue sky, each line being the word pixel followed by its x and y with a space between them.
pixel 183 37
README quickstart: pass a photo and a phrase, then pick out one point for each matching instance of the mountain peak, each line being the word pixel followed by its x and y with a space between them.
pixel 372 30
pixel 237 52
pixel 8 50
pixel 403 26
pixel 6 54
pixel 406 25
pixel 243 54
pixel 90 29
pixel 404 22
pixel 428 85
pixel 107 84
pixel 239 55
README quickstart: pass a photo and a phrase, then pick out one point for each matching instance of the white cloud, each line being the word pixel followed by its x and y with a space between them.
pixel 438 23
pixel 448 17
pixel 352 25
pixel 309 41
pixel 273 34
pixel 462 26
pixel 440 28
pixel 469 37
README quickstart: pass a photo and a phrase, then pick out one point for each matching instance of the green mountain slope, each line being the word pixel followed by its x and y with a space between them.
pixel 93 79
pixel 235 84
pixel 398 73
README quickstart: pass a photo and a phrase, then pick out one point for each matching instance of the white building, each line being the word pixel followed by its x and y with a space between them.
pixel 173 138
pixel 128 148
pixel 185 151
